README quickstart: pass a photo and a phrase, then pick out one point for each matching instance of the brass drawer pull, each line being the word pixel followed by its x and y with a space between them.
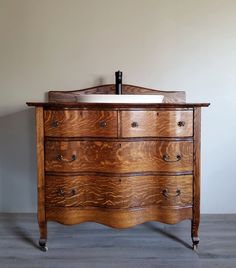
pixel 167 195
pixel 102 124
pixel 181 123
pixel 62 159
pixel 55 123
pixel 60 192
pixel 134 124
pixel 73 192
pixel 167 158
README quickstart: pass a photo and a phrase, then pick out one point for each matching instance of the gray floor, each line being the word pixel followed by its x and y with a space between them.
pixel 93 245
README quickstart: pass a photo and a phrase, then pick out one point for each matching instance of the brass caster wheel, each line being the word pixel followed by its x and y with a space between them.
pixel 195 247
pixel 43 245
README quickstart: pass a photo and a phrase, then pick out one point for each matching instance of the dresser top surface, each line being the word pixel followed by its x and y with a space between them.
pixel 115 105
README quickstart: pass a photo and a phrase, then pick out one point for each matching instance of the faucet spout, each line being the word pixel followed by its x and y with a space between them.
pixel 118 82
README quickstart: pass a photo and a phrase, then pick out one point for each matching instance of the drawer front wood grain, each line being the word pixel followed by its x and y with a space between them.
pixel 119 192
pixel 79 123
pixel 156 123
pixel 116 157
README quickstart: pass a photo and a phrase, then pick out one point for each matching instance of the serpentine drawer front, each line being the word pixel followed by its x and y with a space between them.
pixel 119 192
pixel 118 164
pixel 157 123
pixel 80 123
pixel 116 157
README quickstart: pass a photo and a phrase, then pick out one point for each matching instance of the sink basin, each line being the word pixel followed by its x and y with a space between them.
pixel 108 98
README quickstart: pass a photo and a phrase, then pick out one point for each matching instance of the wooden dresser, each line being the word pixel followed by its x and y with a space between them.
pixel 118 164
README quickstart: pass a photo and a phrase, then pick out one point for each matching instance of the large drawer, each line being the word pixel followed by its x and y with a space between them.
pixel 116 157
pixel 156 123
pixel 119 192
pixel 79 123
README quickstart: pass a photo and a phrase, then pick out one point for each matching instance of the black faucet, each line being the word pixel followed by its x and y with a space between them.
pixel 118 82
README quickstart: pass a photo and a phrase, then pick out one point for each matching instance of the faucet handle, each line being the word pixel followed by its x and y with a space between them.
pixel 119 76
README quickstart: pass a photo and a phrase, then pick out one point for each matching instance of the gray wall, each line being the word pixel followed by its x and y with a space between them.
pixel 72 44
pixel 18 190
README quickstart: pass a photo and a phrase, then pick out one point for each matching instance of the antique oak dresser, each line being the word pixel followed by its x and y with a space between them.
pixel 118 164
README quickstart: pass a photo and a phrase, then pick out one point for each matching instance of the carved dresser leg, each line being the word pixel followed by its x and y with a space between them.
pixel 41 178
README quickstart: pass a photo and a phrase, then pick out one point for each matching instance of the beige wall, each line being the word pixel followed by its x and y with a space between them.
pixel 70 44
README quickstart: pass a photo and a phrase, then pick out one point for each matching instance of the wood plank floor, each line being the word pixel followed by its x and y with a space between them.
pixel 93 245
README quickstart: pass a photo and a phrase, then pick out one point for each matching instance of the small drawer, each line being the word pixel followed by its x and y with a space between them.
pixel 118 157
pixel 157 123
pixel 80 123
pixel 119 192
